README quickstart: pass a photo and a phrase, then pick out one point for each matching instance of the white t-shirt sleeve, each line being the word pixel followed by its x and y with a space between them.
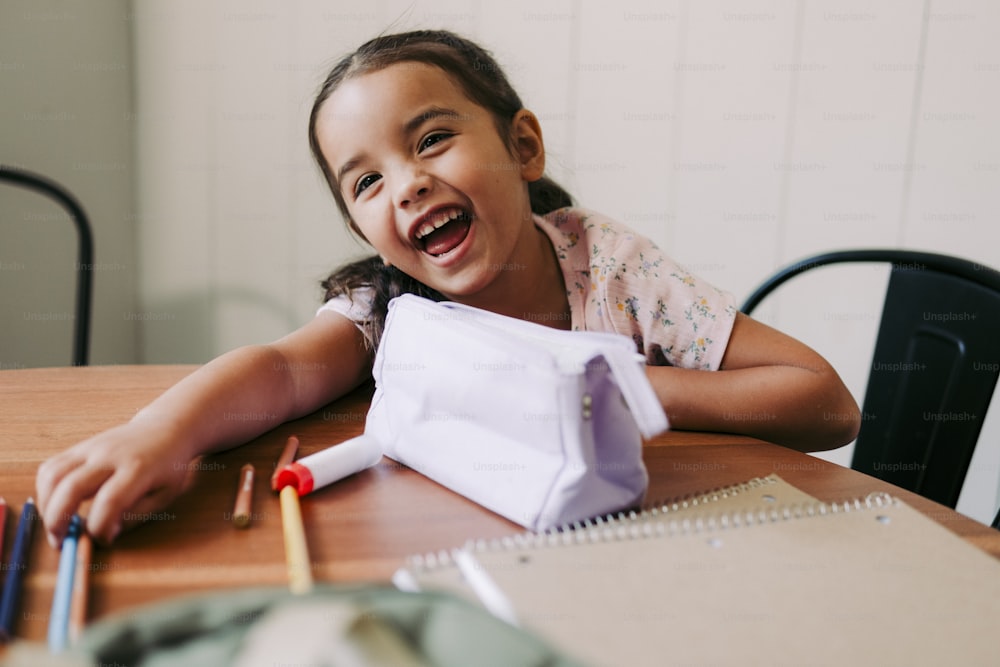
pixel 356 307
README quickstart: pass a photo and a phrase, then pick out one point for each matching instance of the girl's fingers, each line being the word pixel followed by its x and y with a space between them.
pixel 149 506
pixel 72 488
pixel 125 499
pixel 50 473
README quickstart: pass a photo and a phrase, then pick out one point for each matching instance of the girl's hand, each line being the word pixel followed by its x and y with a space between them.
pixel 138 468
pixel 127 472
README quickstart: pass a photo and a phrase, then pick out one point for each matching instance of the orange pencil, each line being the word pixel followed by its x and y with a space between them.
pixel 287 456
pixel 81 583
pixel 244 497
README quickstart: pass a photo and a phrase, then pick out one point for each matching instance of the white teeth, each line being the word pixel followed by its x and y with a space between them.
pixel 438 222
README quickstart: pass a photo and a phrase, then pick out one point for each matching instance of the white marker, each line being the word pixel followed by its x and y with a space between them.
pixel 330 465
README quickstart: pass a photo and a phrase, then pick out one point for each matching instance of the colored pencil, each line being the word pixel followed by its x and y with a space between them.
pixel 296 550
pixel 63 595
pixel 3 523
pixel 16 566
pixel 287 456
pixel 81 586
pixel 244 497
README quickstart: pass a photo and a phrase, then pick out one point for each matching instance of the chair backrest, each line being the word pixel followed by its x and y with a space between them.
pixel 85 251
pixel 934 369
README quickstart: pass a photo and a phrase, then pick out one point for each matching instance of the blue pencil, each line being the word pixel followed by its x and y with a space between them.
pixel 59 618
pixel 15 570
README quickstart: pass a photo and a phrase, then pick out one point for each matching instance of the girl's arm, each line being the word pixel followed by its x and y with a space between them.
pixel 139 467
pixel 769 386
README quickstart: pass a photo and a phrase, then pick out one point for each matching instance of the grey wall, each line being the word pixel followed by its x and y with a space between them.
pixel 66 112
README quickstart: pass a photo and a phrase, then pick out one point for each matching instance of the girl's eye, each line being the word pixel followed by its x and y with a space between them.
pixel 364 183
pixel 432 139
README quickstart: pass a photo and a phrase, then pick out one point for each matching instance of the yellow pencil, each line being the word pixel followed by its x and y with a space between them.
pixel 296 550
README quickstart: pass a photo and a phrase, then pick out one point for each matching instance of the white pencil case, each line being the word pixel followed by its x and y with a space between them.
pixel 542 426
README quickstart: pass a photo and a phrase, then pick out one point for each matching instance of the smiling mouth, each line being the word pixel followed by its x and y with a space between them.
pixel 444 232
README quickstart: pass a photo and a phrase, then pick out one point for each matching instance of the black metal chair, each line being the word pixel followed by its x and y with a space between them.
pixel 934 369
pixel 85 251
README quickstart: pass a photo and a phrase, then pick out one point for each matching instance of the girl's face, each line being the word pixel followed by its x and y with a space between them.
pixel 427 178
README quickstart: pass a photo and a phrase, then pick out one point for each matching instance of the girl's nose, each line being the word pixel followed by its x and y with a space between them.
pixel 414 186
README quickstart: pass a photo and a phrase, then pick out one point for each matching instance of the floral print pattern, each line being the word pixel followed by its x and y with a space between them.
pixel 617 280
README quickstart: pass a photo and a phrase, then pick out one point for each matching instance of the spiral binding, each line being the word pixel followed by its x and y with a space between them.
pixel 655 521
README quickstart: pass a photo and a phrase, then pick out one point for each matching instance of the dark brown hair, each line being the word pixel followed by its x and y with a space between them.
pixel 479 76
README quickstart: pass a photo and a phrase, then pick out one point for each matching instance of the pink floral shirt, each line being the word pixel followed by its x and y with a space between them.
pixel 617 280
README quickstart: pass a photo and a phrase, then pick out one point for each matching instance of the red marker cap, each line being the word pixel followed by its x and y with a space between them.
pixel 297 475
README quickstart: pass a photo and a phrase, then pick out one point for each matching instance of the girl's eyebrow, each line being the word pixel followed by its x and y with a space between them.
pixel 347 166
pixel 430 113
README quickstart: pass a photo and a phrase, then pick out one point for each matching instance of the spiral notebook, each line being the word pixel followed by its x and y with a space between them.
pixel 440 571
pixel 759 573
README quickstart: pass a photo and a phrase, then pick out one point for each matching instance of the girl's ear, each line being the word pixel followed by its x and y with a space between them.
pixel 527 135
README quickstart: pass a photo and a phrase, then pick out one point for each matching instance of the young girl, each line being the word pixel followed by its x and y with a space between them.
pixel 433 160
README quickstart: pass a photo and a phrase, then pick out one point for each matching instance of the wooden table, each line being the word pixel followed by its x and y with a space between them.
pixel 360 529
